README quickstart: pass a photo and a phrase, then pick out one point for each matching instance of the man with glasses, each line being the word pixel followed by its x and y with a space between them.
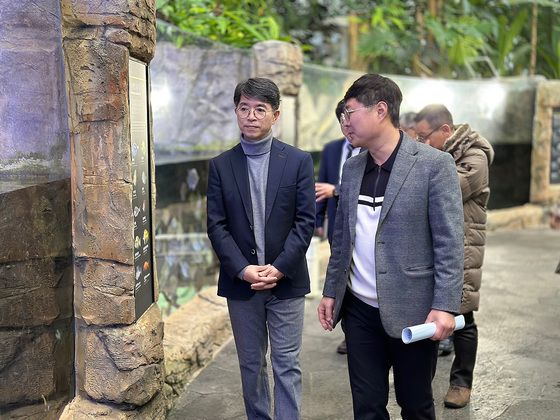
pixel 261 216
pixel 333 157
pixel 473 155
pixel 397 254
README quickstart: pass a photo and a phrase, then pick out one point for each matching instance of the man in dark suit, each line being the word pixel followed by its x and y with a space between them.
pixel 261 216
pixel 327 187
pixel 397 254
pixel 333 157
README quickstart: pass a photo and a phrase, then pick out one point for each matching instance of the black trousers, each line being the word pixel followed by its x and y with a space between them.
pixel 371 354
pixel 466 342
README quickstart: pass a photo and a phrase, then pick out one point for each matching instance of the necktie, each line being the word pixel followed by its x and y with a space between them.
pixel 348 152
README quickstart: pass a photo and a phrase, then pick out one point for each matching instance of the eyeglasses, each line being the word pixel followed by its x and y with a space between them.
pixel 346 112
pixel 244 111
pixel 423 139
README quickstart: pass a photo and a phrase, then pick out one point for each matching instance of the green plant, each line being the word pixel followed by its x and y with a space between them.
pixel 229 22
pixel 428 37
pixel 388 38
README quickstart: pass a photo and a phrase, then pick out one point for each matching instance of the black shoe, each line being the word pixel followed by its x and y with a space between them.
pixel 446 347
pixel 341 349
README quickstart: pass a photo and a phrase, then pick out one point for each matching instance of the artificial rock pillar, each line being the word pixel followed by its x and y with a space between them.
pixel 119 360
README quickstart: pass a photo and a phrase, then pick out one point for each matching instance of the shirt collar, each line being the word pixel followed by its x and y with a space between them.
pixel 388 164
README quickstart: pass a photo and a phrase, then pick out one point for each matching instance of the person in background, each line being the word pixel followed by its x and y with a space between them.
pixel 473 156
pixel 261 216
pixel 333 157
pixel 406 124
pixel 397 254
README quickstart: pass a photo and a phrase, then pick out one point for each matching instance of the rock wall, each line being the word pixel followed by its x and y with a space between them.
pixel 192 94
pixel 36 354
pixel 119 360
pixel 545 159
pixel 36 329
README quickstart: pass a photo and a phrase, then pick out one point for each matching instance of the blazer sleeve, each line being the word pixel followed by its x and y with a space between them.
pixel 231 258
pixel 447 228
pixel 337 266
pixel 297 241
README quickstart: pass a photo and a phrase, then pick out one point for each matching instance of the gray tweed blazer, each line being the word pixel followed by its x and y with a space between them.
pixel 419 240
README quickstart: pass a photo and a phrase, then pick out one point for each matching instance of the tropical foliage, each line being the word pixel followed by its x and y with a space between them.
pixel 240 24
pixel 462 38
pixel 445 38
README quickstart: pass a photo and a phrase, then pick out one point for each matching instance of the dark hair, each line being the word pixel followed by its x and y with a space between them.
pixel 339 109
pixel 407 120
pixel 372 88
pixel 435 115
pixel 259 88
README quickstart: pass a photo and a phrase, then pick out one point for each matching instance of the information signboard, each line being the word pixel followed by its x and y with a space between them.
pixel 141 185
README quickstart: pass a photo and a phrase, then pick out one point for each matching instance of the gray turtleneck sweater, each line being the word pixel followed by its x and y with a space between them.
pixel 258 157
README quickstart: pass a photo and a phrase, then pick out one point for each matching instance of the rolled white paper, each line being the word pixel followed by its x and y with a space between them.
pixel 423 331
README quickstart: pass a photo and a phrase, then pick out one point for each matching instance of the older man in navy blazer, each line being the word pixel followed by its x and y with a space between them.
pixel 261 216
pixel 397 254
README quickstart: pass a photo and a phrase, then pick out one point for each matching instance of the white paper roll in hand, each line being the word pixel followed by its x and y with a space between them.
pixel 423 331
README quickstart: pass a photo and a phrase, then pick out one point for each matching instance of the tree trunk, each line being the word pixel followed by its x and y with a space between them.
pixel 534 26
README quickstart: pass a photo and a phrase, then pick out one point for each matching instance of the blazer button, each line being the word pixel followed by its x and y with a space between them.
pixel 253 252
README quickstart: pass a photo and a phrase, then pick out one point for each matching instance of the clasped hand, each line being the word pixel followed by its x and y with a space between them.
pixel 262 277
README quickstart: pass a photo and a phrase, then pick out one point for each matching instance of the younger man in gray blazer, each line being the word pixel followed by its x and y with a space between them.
pixel 397 254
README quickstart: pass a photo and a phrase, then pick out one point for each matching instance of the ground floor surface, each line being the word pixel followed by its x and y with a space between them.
pixel 517 376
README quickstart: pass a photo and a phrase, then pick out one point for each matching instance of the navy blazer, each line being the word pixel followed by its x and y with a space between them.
pixel 329 171
pixel 289 219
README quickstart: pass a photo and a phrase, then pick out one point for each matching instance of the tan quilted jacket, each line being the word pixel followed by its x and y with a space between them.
pixel 473 155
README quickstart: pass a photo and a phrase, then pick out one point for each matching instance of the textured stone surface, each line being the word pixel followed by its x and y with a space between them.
pixel 99 78
pixel 35 222
pixel 119 367
pixel 521 217
pixel 548 100
pixel 106 285
pixel 125 365
pixel 35 292
pixel 192 99
pixel 35 299
pixel 28 307
pixel 48 409
pixel 27 366
pixel 127 22
pixel 281 62
pixel 104 223
pixel 83 408
pixel 193 334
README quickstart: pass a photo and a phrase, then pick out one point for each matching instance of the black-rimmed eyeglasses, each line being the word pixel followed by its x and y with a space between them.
pixel 423 139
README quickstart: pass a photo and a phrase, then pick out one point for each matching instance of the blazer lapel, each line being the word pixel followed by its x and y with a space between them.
pixel 239 169
pixel 405 159
pixel 276 165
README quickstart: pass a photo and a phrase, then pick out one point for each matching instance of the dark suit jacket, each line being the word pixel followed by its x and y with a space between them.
pixel 290 219
pixel 329 171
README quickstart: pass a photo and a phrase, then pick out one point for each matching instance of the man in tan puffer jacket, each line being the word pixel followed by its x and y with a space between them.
pixel 473 155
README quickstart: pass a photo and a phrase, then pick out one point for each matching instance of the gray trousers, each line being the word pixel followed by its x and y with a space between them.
pixel 254 322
